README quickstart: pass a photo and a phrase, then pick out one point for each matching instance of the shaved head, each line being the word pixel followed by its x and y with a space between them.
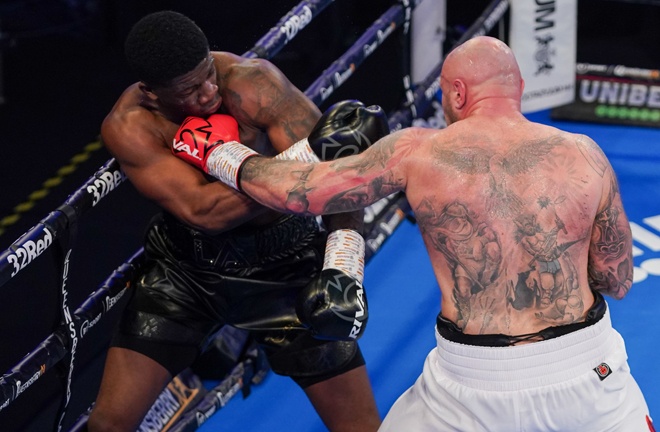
pixel 480 68
pixel 484 59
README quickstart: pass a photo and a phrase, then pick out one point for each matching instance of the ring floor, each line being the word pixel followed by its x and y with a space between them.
pixel 404 299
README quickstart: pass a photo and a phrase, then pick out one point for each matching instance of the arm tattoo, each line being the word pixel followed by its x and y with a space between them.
pixel 377 159
pixel 362 196
pixel 296 198
pixel 611 246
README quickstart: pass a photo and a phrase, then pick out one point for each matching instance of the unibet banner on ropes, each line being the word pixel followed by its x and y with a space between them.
pixel 543 37
pixel 614 94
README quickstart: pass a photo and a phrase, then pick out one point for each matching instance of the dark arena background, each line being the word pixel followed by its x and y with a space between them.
pixel 61 70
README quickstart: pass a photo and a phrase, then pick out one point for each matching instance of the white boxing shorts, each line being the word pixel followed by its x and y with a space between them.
pixel 578 382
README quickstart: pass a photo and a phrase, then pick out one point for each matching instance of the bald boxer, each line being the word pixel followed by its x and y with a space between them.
pixel 214 256
pixel 526 232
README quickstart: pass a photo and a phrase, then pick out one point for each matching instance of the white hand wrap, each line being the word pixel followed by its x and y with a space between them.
pixel 225 161
pixel 300 151
pixel 345 251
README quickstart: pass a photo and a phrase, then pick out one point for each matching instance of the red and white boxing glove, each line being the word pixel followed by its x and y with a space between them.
pixel 198 137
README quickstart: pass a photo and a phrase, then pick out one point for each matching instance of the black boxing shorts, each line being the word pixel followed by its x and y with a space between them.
pixel 192 284
pixel 450 331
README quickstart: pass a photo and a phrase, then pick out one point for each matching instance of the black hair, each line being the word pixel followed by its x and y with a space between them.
pixel 164 45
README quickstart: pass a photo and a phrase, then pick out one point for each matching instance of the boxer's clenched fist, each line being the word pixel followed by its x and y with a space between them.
pixel 198 137
pixel 346 128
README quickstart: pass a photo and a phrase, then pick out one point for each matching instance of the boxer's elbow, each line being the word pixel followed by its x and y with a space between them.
pixel 612 286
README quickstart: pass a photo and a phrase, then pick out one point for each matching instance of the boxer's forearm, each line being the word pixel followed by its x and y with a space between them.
pixel 313 189
pixel 286 186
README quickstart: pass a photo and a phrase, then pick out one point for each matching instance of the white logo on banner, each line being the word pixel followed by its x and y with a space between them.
pixel 543 37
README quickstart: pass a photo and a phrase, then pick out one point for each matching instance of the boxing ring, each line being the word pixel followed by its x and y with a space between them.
pixel 403 294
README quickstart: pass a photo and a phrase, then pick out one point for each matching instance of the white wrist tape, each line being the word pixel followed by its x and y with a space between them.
pixel 300 151
pixel 225 161
pixel 345 251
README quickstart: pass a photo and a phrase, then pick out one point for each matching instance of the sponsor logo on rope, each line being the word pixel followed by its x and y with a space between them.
pixel 171 403
pixel 105 184
pixel 293 25
pixel 385 229
pixel 202 416
pixel 161 413
pixel 341 77
pixel 383 34
pixel 327 91
pixel 111 301
pixel 374 209
pixel 368 49
pixel 29 251
pixel 86 325
pixel 223 398
pixel 21 387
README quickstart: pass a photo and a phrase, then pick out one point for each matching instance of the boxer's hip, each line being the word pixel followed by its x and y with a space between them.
pixel 248 280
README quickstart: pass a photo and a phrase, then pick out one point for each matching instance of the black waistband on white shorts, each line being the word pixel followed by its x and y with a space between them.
pixel 450 331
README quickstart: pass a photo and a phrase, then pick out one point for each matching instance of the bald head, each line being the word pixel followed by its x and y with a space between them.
pixel 484 59
pixel 481 68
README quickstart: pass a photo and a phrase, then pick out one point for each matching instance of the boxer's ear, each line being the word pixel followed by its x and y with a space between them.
pixel 460 95
pixel 147 90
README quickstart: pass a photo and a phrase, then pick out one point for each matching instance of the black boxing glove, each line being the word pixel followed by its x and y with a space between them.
pixel 334 305
pixel 346 128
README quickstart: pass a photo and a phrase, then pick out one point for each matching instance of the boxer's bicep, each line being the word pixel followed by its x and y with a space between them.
pixel 284 112
pixel 292 121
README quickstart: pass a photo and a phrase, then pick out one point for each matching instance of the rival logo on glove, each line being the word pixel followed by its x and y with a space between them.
pixel 333 149
pixel 359 316
pixel 180 146
pixel 198 137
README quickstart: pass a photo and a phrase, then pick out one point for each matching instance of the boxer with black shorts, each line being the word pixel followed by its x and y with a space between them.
pixel 216 257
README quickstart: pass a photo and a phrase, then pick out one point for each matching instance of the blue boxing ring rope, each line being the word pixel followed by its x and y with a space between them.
pixel 59 228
